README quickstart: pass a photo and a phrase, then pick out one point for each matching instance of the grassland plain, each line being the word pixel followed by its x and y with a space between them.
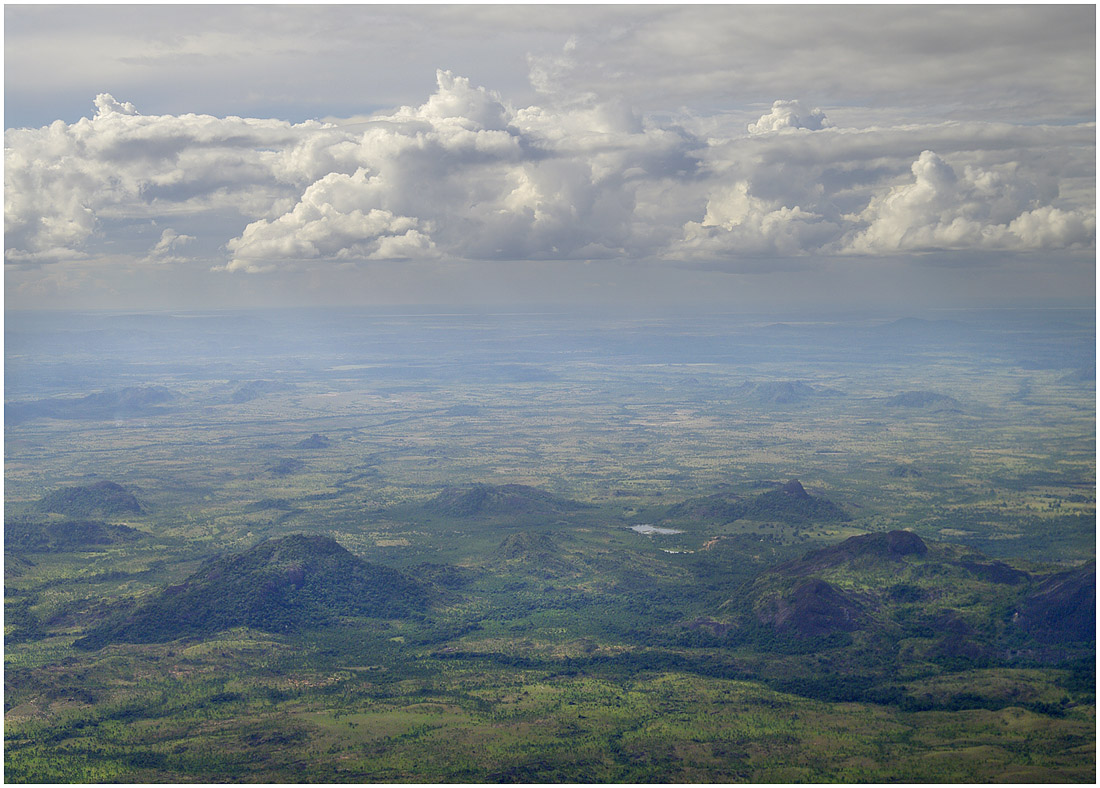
pixel 560 645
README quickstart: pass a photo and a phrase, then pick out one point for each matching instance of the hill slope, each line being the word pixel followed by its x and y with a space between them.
pixel 102 499
pixel 927 400
pixel 790 504
pixel 121 403
pixel 947 600
pixel 781 392
pixel 31 536
pixel 1061 608
pixel 287 584
pixel 508 499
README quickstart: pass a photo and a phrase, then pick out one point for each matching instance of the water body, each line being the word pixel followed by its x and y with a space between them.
pixel 652 529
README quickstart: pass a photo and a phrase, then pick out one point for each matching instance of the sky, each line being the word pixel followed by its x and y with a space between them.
pixel 765 157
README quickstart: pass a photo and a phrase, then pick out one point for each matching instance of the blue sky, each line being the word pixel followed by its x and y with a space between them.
pixel 734 156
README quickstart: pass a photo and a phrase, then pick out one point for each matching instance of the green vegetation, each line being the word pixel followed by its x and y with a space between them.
pixel 923 399
pixel 288 584
pixel 26 535
pixel 458 553
pixel 102 499
pixel 790 504
pixel 506 499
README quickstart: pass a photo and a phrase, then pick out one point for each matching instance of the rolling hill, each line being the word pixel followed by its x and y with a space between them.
pixel 101 499
pixel 33 536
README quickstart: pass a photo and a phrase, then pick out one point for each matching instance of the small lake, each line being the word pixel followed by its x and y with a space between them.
pixel 652 529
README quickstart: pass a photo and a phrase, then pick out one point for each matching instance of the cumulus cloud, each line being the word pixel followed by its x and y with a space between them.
pixel 941 209
pixel 738 223
pixel 790 115
pixel 169 240
pixel 166 249
pixel 466 175
pixel 106 104
pixel 336 218
pixel 63 180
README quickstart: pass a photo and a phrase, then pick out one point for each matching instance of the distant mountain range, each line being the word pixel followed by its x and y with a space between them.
pixel 128 402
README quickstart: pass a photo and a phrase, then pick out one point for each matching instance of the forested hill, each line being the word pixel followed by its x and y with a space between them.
pixel 280 585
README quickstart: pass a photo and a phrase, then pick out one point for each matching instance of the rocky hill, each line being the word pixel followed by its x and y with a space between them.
pixel 811 607
pixel 880 548
pixel 944 600
pixel 526 546
pixel 789 504
pixel 281 585
pixel 286 466
pixel 1062 608
pixel 792 504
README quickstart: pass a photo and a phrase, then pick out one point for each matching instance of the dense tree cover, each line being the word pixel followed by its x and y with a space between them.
pixel 20 622
pixel 28 535
pixel 789 504
pixel 885 619
pixel 281 585
pixel 101 499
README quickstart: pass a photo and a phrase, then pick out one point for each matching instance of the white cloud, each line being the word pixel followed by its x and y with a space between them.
pixel 790 115
pixel 465 175
pixel 62 180
pixel 336 219
pixel 738 224
pixel 468 177
pixel 942 209
pixel 106 104
pixel 169 240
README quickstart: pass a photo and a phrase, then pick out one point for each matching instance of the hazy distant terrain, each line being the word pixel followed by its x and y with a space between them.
pixel 403 546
